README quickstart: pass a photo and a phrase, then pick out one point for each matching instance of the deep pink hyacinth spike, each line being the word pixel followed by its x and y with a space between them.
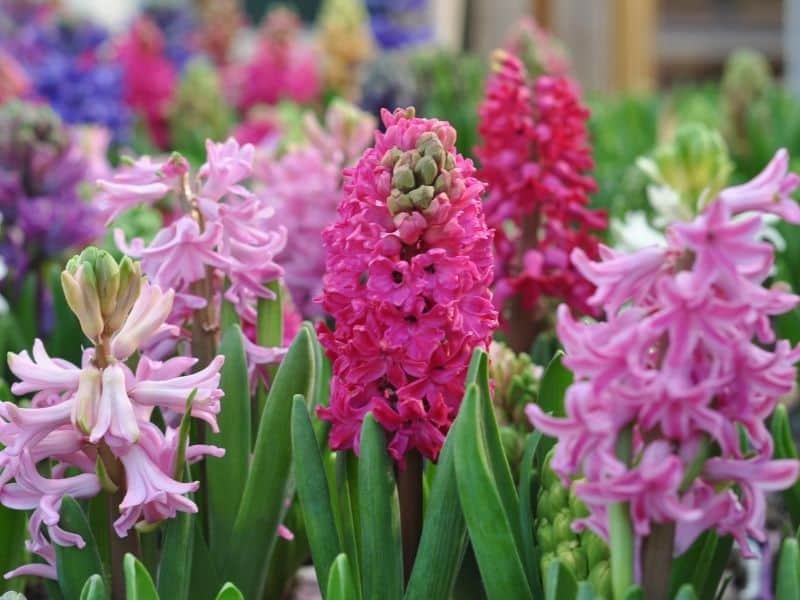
pixel 679 365
pixel 408 269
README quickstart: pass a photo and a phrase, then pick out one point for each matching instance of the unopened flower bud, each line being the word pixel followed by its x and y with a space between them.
pixel 600 578
pixel 130 283
pixel 427 170
pixel 398 202
pixel 574 558
pixel 422 196
pixel 106 271
pixel 84 408
pixel 562 527
pixel 80 291
pixel 442 183
pixel 391 157
pixel 403 178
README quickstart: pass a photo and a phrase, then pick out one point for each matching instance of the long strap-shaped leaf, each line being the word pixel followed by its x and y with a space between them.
pixel 138 583
pixel 487 521
pixel 341 582
pixel 444 535
pixel 313 492
pixel 94 589
pixel 530 553
pixel 268 486
pixel 346 513
pixel 560 582
pixel 500 469
pixel 74 565
pixel 12 545
pixel 379 509
pixel 227 475
pixel 787 584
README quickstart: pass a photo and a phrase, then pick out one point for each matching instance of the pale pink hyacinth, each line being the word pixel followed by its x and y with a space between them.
pixel 305 185
pixel 686 360
pixel 77 410
pixel 225 233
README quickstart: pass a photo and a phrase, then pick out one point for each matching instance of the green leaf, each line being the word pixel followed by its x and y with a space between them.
pixel 346 513
pixel 174 569
pixel 526 507
pixel 785 448
pixel 138 583
pixel 635 593
pixel 560 582
pixel 94 589
pixel 379 514
pixel 229 592
pixel 341 583
pixel 12 546
pixel 444 534
pixel 313 492
pixel 269 332
pixel 205 577
pixel 268 485
pixel 555 381
pixel 489 529
pixel 787 585
pixel 585 591
pixel 74 565
pixel 227 475
pixel 686 592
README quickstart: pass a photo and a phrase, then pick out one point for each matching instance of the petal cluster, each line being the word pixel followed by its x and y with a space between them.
pixel 99 413
pixel 222 244
pixel 535 158
pixel 408 270
pixel 688 366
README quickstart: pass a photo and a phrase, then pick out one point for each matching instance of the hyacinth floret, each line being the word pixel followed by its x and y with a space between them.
pixel 688 367
pixel 87 428
pixel 535 158
pixel 407 279
pixel 221 243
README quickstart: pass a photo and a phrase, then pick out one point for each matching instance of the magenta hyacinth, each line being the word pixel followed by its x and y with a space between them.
pixel 688 365
pixel 223 233
pixel 99 413
pixel 409 265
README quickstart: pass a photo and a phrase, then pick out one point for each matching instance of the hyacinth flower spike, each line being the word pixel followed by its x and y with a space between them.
pixel 682 375
pixel 95 418
pixel 408 268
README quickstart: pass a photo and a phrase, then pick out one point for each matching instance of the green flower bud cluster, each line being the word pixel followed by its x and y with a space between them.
pixel 101 291
pixel 418 175
pixel 515 382
pixel 584 554
pixel 199 112
pixel 695 164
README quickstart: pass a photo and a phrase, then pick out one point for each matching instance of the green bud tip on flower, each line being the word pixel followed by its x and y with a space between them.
pixel 100 291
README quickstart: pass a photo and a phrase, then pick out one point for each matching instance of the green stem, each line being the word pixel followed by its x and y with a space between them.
pixel 409 489
pixel 622 544
pixel 657 561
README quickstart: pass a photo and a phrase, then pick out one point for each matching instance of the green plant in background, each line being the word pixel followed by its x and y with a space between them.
pixel 199 111
pixel 745 80
pixel 451 87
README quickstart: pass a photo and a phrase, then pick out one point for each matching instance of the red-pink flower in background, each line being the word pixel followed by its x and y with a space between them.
pixel 408 270
pixel 687 365
pixel 535 158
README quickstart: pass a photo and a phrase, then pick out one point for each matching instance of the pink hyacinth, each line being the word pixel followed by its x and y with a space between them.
pixel 225 234
pixel 305 184
pixel 78 415
pixel 149 78
pixel 282 68
pixel 681 366
pixel 535 158
pixel 407 273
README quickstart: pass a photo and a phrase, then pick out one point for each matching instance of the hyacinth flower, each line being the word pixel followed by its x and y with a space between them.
pixel 387 81
pixel 305 185
pixel 221 244
pixel 535 158
pixel 408 269
pixel 179 27
pixel 88 429
pixel 664 432
pixel 346 44
pixel 69 65
pixel 14 83
pixel 41 171
pixel 282 68
pixel 149 77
